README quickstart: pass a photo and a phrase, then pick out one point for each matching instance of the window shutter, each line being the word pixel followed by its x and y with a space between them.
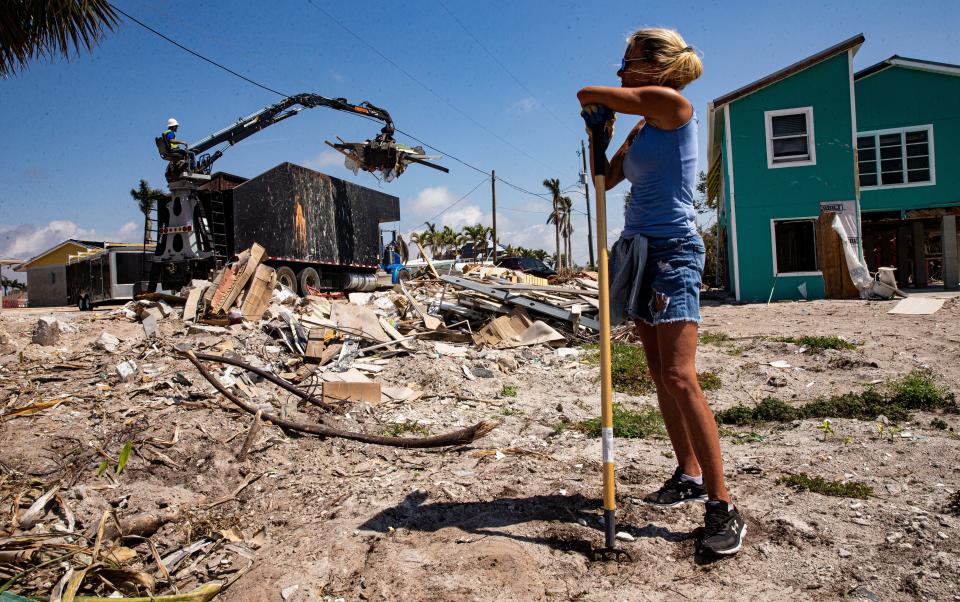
pixel 789 125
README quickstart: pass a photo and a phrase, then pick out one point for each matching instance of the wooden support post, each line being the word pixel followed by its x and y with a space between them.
pixel 903 254
pixel 919 255
pixel 951 257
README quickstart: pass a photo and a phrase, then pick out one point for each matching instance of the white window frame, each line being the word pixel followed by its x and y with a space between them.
pixel 773 245
pixel 811 139
pixel 903 155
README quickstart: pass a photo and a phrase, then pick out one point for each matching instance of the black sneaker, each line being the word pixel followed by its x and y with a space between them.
pixel 676 491
pixel 723 530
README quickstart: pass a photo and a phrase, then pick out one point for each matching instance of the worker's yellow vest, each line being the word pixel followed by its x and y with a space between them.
pixel 167 141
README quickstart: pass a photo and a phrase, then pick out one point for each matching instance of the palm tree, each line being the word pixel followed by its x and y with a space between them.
pixel 35 29
pixel 555 217
pixel 477 235
pixel 449 240
pixel 428 239
pixel 566 204
pixel 147 198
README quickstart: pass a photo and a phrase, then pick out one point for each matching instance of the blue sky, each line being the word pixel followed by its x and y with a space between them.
pixel 79 134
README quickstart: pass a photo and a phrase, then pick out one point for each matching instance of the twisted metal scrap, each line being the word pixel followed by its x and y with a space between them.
pixel 460 437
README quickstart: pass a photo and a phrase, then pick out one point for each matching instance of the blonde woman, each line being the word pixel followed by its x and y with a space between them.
pixel 659 158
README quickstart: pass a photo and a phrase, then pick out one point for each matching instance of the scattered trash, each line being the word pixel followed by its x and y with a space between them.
pixel 127 370
pixel 108 342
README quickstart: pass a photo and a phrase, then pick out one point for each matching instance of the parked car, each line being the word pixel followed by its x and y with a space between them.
pixel 529 265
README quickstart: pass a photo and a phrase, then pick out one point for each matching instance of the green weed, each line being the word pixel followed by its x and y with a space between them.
pixel 714 338
pixel 398 429
pixel 896 400
pixel 643 423
pixel 628 367
pixel 511 411
pixel 939 423
pixel 744 438
pixel 508 391
pixel 709 380
pixel 803 482
pixel 818 343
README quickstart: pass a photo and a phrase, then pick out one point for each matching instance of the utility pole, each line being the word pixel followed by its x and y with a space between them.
pixel 586 192
pixel 493 197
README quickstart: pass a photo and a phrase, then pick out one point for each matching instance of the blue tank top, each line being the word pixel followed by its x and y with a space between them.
pixel 661 166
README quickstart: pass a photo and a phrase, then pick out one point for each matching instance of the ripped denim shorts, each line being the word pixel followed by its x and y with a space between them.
pixel 670 289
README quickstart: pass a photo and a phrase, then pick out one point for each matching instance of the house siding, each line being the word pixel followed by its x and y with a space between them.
pixel 47 286
pixel 763 193
pixel 899 97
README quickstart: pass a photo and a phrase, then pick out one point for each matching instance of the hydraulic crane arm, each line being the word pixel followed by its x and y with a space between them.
pixel 381 154
pixel 288 107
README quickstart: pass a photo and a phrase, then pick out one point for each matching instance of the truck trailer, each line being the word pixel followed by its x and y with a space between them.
pixel 104 275
pixel 320 232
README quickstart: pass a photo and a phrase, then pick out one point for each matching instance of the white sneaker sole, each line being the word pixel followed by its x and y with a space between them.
pixel 692 500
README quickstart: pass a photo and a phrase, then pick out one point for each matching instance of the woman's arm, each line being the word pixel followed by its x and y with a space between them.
pixel 663 107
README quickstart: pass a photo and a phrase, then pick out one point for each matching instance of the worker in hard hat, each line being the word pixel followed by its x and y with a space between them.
pixel 170 138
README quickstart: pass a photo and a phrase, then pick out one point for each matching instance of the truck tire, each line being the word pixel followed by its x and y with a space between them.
pixel 287 278
pixel 308 278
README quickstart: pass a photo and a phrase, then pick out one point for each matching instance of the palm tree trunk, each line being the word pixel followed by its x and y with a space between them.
pixel 557 229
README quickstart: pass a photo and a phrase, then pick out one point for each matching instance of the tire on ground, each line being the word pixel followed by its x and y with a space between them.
pixel 287 278
pixel 308 277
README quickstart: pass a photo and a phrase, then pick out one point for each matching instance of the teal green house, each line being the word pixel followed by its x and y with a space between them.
pixel 817 136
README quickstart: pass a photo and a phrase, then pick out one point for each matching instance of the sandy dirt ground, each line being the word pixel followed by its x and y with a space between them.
pixel 514 515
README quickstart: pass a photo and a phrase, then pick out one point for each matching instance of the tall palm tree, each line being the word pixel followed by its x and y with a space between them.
pixel 477 235
pixel 449 240
pixel 556 216
pixel 566 204
pixel 429 238
pixel 45 29
pixel 147 198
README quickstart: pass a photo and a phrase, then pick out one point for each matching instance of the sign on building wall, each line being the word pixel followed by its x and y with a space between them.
pixel 847 210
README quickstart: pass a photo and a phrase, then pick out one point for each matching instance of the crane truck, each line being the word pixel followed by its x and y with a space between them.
pixel 320 232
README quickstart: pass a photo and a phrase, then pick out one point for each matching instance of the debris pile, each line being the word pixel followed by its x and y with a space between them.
pixel 325 365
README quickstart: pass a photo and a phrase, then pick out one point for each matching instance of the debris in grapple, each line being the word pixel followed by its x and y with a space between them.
pixel 382 154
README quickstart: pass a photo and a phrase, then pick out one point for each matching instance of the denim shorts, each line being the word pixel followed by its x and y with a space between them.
pixel 670 288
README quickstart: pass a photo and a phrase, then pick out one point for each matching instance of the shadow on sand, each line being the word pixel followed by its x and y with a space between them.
pixel 485 518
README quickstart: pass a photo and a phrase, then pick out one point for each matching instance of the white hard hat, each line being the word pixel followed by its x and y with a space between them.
pixel 171 122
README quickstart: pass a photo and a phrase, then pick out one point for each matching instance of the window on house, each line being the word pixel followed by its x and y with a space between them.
pixel 795 246
pixel 790 140
pixel 901 157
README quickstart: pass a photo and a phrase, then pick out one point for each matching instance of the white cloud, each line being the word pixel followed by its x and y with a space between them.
pixel 330 158
pixel 24 241
pixel 526 105
pixel 431 199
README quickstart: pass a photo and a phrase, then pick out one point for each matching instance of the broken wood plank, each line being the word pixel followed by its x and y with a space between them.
pixel 259 294
pixel 351 391
pixel 423 254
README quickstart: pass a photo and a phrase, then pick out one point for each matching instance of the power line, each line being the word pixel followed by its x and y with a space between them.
pixel 269 89
pixel 500 64
pixel 426 87
pixel 456 202
pixel 198 55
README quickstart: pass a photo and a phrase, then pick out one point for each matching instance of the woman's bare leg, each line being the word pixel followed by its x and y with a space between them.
pixel 677 345
pixel 672 417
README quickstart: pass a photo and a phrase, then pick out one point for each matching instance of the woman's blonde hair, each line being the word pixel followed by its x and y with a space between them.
pixel 663 56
